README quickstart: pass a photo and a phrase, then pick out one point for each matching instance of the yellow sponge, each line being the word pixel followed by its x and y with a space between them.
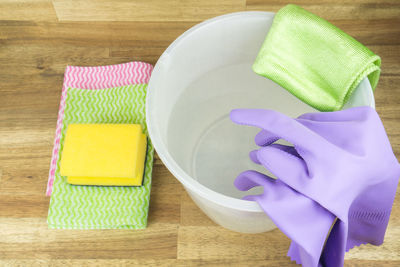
pixel 104 154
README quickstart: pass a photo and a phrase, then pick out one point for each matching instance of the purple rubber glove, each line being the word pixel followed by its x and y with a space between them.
pixel 303 220
pixel 345 163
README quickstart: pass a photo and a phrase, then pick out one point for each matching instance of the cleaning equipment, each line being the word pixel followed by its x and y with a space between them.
pixel 100 207
pixel 104 154
pixel 94 78
pixel 300 218
pixel 191 106
pixel 314 60
pixel 342 160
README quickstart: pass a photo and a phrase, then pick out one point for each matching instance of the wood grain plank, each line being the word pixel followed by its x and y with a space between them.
pixel 191 215
pixel 144 10
pixel 157 35
pixel 90 262
pixel 24 170
pixel 387 98
pixel 165 200
pixel 29 238
pixel 138 53
pixel 371 32
pixel 390 55
pixel 150 263
pixel 215 242
pixel 335 10
pixel 35 59
pixel 24 205
pixel 371 263
pixel 93 34
pixel 38 10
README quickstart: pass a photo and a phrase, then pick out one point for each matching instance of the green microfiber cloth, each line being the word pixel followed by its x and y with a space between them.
pixel 314 60
pixel 102 207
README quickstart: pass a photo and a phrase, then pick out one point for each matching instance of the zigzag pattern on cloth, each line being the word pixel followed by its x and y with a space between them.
pixel 100 77
pixel 97 207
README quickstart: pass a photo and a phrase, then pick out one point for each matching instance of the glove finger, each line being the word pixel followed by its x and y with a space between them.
pixel 279 125
pixel 287 167
pixel 251 197
pixel 288 149
pixel 265 138
pixel 253 157
pixel 249 179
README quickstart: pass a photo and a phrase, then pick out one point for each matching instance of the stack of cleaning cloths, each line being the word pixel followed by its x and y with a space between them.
pixel 100 95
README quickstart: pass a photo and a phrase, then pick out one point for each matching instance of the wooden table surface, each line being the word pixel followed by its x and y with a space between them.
pixel 39 38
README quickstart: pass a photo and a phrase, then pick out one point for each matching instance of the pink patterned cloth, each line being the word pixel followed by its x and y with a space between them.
pixel 100 77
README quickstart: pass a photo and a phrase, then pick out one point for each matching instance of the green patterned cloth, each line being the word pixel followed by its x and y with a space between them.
pixel 314 60
pixel 102 207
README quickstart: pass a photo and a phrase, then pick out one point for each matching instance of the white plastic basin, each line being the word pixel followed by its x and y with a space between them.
pixel 197 81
